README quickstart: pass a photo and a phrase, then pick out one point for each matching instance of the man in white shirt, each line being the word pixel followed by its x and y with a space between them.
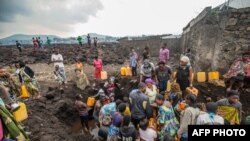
pixel 57 59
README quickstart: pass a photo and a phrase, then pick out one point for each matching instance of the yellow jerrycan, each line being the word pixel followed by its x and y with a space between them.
pixel 24 92
pixel 21 114
pixel 128 71
pixel 201 77
pixel 214 75
pixel 104 75
pixel 123 71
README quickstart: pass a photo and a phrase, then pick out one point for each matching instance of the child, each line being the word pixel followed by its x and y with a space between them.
pixel 59 77
pixel 110 86
pixel 146 133
pixel 83 112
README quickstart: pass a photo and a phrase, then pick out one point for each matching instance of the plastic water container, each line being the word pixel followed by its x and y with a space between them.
pixel 201 77
pixel 192 90
pixel 21 114
pixel 24 92
pixel 123 71
pixel 91 101
pixel 168 86
pixel 128 71
pixel 104 75
pixel 214 75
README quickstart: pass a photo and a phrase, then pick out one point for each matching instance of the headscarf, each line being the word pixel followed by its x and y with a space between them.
pixel 149 81
pixel 185 59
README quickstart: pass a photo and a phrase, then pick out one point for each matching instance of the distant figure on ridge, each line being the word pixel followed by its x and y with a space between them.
pixel 19 46
pixel 79 39
pixel 57 59
pixel 40 43
pixel 95 41
pixel 89 40
pixel 133 61
pixel 48 41
pixel 35 43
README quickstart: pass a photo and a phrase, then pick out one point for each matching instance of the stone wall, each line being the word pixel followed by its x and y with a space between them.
pixel 218 39
pixel 154 45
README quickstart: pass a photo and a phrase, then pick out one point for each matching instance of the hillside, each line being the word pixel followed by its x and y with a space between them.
pixel 27 39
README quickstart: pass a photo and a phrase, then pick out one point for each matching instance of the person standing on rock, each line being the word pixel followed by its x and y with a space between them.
pixel 164 53
pixel 147 70
pixel 95 41
pixel 40 43
pixel 184 75
pixel 145 54
pixel 59 77
pixel 98 67
pixel 35 44
pixel 48 41
pixel 133 62
pixel 89 40
pixel 79 39
pixel 19 46
pixel 57 59
pixel 163 75
pixel 27 78
pixel 82 108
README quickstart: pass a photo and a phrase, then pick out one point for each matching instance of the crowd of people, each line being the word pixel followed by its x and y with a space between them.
pixel 39 43
pixel 160 108
pixel 80 41
pixel 155 112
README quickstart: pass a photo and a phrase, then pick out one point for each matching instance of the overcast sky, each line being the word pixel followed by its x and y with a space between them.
pixel 111 17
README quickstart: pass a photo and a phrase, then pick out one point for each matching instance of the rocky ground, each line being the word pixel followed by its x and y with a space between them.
pixel 110 53
pixel 53 117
